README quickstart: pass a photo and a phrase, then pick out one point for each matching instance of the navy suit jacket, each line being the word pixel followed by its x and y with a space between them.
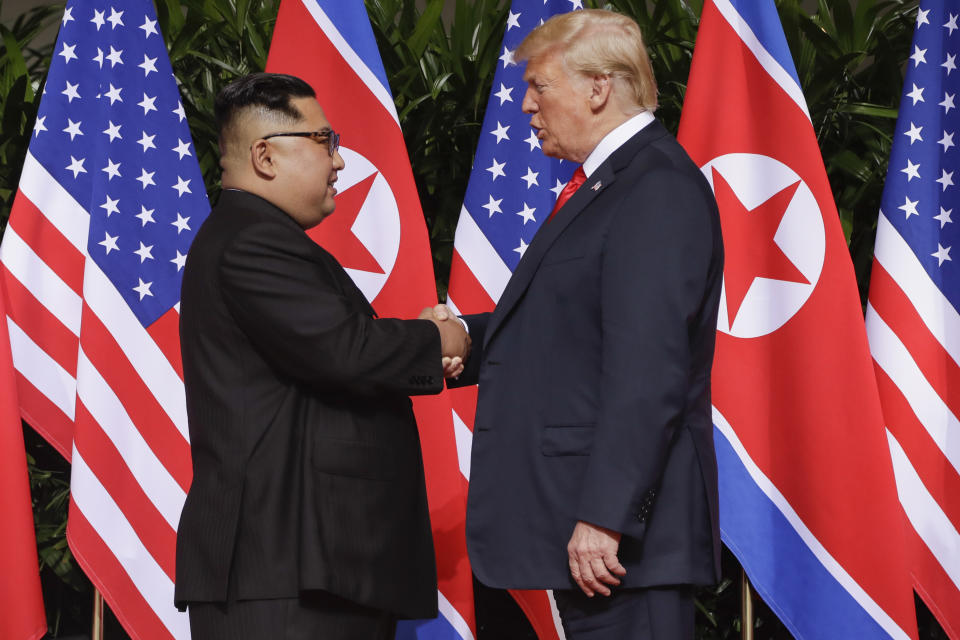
pixel 594 374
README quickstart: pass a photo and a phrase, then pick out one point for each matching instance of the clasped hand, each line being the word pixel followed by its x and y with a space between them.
pixel 454 339
pixel 592 554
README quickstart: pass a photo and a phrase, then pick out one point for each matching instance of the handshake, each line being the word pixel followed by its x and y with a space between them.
pixel 454 339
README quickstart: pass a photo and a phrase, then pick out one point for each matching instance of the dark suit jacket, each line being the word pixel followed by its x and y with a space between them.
pixel 307 472
pixel 594 373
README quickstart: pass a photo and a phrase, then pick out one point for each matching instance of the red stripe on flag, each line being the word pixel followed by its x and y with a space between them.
pixel 159 432
pixel 21 601
pixel 109 577
pixel 468 294
pixel 934 586
pixel 448 503
pixel 892 304
pixel 166 333
pixel 45 417
pixel 111 469
pixel 47 242
pixel 536 606
pixel 936 472
pixel 44 328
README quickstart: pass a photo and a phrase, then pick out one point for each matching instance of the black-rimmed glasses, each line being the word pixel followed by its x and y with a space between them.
pixel 331 137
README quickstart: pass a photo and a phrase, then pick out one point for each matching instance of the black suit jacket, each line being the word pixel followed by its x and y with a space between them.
pixel 307 472
pixel 594 373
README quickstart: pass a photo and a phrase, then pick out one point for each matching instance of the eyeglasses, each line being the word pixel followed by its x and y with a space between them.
pixel 331 137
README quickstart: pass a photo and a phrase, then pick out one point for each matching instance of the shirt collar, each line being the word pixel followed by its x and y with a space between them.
pixel 614 140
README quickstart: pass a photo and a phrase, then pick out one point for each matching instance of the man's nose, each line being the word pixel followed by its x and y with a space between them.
pixel 529 105
pixel 338 162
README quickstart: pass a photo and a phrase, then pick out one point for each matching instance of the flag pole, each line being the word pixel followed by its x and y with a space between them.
pixel 746 607
pixel 96 633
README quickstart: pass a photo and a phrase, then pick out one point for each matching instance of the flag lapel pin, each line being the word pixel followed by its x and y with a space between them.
pixel 597 186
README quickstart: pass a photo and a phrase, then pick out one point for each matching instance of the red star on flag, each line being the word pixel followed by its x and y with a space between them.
pixel 750 248
pixel 335 233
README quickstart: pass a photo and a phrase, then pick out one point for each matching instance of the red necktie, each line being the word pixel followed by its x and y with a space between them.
pixel 578 178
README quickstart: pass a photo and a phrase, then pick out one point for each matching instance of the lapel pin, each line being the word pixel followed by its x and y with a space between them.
pixel 596 187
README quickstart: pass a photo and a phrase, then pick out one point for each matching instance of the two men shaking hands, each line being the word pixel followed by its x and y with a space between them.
pixel 454 339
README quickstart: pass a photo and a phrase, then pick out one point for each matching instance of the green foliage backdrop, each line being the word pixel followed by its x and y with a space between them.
pixel 850 56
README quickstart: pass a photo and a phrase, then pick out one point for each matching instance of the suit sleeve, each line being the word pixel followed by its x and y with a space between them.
pixel 477 326
pixel 288 304
pixel 654 276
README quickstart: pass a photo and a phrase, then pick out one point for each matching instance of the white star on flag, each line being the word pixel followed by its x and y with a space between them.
pixel 73 128
pixel 109 243
pixel 112 130
pixel 181 224
pixel 527 213
pixel 182 148
pixel 149 64
pixel 76 166
pixel 145 215
pixel 914 133
pixel 501 133
pixel 912 170
pixel 909 207
pixel 496 169
pixel 68 52
pixel 144 252
pixel 182 186
pixel 147 104
pixel 146 178
pixel 493 206
pixel 143 288
pixel 149 27
pixel 114 18
pixel 112 169
pixel 941 254
pixel 110 206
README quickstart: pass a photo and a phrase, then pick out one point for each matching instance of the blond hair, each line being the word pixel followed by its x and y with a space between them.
pixel 596 42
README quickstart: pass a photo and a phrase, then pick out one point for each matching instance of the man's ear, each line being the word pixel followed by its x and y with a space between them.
pixel 262 160
pixel 601 89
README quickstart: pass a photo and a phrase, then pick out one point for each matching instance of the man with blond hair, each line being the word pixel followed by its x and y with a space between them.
pixel 593 469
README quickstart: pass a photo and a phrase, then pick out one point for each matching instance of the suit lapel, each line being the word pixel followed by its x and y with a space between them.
pixel 597 183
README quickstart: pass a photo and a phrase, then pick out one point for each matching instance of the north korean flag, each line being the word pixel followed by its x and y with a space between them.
pixel 379 236
pixel 808 501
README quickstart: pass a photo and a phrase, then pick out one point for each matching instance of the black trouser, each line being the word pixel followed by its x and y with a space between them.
pixel 629 614
pixel 315 615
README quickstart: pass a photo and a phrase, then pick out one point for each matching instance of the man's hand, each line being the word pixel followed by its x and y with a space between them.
pixel 593 559
pixel 454 340
pixel 452 367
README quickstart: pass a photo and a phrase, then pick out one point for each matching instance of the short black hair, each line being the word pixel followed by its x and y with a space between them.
pixel 270 91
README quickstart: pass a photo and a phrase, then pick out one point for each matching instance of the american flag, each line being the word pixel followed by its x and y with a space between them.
pixel 108 203
pixel 511 192
pixel 912 317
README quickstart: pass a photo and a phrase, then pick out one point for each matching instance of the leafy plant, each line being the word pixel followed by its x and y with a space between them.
pixel 210 43
pixel 849 56
pixel 441 76
pixel 22 67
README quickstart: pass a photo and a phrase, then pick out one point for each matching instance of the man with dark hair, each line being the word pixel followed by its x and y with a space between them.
pixel 307 516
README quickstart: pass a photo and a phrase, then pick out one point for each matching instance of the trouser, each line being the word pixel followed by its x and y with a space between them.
pixel 315 615
pixel 665 613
